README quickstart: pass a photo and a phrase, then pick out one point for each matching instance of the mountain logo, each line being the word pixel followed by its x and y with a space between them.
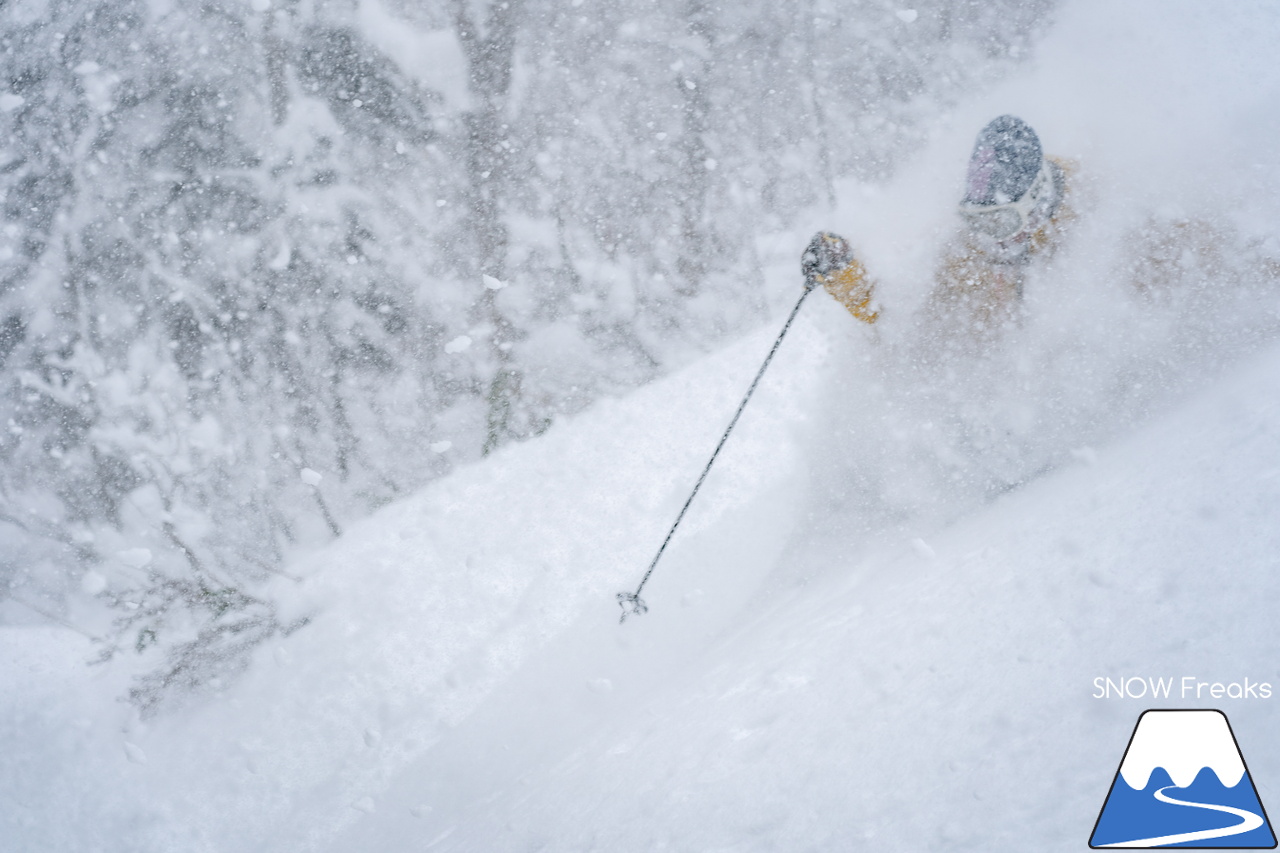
pixel 1182 783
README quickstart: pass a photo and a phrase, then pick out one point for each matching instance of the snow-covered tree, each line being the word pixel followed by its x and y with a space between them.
pixel 263 261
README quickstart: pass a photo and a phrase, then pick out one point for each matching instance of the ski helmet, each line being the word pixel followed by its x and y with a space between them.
pixel 1005 161
pixel 1011 188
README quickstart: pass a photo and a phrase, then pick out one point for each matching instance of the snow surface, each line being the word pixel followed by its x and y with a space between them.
pixel 1183 743
pixel 878 627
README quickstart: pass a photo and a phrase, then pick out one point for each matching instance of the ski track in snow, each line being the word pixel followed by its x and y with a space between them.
pixel 1248 822
pixel 809 676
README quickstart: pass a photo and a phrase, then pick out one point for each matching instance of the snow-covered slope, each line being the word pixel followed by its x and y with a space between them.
pixel 880 624
pixel 935 695
pixel 418 614
pixel 924 695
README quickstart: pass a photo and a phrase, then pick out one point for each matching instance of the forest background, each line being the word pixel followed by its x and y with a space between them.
pixel 266 266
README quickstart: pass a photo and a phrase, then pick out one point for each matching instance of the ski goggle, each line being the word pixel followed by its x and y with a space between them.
pixel 1002 221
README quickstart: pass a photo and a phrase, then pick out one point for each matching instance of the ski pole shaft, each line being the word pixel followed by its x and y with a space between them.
pixel 633 598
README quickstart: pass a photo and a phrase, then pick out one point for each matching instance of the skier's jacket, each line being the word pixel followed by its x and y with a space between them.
pixel 977 284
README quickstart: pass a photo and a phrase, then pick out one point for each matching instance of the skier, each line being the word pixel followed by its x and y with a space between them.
pixel 1014 210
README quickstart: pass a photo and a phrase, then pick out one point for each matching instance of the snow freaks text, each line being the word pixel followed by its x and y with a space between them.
pixel 1186 687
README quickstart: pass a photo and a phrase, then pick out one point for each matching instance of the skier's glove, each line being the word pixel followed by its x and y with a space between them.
pixel 825 254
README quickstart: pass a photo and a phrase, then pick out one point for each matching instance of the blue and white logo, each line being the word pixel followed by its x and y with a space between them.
pixel 1183 783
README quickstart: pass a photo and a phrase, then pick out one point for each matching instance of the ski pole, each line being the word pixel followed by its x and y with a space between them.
pixel 632 599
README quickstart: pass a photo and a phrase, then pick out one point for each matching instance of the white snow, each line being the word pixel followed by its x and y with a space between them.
pixel 852 643
pixel 281 259
pixel 1183 743
pixel 310 477
pixel 92 582
pixel 435 59
pixel 135 557
pixel 923 549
